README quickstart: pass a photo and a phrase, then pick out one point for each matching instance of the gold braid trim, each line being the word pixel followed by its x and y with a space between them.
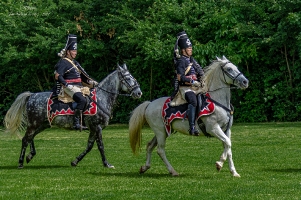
pixel 188 68
pixel 74 66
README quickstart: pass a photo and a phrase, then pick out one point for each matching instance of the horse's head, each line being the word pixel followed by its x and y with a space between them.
pixel 231 74
pixel 128 83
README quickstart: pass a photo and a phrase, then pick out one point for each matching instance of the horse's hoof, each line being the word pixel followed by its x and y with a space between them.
pixel 218 165
pixel 109 166
pixel 28 158
pixel 235 174
pixel 74 163
pixel 143 169
pixel 20 166
pixel 174 173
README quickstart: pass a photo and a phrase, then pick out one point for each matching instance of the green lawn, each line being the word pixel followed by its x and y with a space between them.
pixel 266 155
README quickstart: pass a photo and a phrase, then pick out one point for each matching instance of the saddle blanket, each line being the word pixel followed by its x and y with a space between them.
pixel 169 113
pixel 56 107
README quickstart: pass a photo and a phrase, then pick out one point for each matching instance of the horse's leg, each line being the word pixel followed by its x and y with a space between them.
pixel 217 132
pixel 23 150
pixel 154 120
pixel 101 147
pixel 32 152
pixel 90 144
pixel 149 149
pixel 161 139
pixel 28 138
pixel 230 159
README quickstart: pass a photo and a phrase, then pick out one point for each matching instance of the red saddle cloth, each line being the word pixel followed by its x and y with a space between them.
pixel 56 107
pixel 170 113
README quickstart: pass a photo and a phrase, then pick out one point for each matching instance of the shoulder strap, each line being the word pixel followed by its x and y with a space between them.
pixel 74 66
pixel 188 68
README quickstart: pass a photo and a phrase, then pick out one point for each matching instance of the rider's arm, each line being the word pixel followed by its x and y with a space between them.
pixel 62 80
pixel 181 64
pixel 60 69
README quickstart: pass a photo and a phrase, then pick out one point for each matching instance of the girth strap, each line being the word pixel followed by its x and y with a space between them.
pixel 231 111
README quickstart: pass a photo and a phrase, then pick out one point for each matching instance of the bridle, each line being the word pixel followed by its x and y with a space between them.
pixel 228 74
pixel 124 80
pixel 231 109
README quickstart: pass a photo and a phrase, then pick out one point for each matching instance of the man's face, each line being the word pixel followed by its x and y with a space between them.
pixel 72 53
pixel 187 52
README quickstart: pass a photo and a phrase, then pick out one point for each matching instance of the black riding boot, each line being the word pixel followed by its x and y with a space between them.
pixel 78 120
pixel 191 118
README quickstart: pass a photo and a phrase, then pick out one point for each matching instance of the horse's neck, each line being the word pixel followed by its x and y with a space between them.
pixel 107 91
pixel 218 90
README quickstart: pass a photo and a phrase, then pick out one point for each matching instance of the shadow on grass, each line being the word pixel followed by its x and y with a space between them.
pixel 147 175
pixel 129 174
pixel 288 170
pixel 34 167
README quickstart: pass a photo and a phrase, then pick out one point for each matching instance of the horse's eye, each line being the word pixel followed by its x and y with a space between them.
pixel 229 69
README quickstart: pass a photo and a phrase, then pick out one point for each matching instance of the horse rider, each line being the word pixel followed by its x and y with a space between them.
pixel 188 72
pixel 70 77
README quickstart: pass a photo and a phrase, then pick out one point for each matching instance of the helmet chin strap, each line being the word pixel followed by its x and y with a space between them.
pixel 69 55
pixel 186 54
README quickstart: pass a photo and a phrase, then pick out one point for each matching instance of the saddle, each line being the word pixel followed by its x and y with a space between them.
pixel 179 98
pixel 170 112
pixel 64 97
pixel 55 106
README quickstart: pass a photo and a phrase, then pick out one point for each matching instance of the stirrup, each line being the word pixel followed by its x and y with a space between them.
pixel 79 127
pixel 193 131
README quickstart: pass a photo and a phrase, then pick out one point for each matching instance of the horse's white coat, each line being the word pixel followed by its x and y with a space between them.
pixel 218 77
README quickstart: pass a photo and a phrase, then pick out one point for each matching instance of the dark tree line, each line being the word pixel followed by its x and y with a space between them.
pixel 263 38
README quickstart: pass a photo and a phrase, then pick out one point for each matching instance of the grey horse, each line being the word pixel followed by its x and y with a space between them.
pixel 29 113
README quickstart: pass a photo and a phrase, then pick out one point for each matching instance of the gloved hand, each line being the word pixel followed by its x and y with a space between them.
pixel 196 83
pixel 69 86
pixel 94 83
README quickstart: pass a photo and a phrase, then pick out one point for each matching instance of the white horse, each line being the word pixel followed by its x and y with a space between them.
pixel 219 75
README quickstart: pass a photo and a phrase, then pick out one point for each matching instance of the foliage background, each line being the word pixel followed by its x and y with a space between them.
pixel 263 38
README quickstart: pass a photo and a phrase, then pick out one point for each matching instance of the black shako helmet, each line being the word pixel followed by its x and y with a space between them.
pixel 183 42
pixel 71 44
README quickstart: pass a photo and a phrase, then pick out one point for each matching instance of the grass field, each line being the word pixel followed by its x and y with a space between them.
pixel 266 155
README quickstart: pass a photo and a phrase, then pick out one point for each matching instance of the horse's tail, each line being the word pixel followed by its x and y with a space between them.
pixel 136 123
pixel 15 119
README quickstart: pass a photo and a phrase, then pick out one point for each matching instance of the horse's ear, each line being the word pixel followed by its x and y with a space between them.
pixel 218 59
pixel 124 66
pixel 224 58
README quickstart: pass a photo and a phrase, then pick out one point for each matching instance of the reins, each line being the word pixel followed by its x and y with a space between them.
pixel 231 109
pixel 223 88
pixel 115 93
pixel 123 80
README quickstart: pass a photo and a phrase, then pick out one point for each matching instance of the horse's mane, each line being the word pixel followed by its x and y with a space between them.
pixel 103 81
pixel 210 72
